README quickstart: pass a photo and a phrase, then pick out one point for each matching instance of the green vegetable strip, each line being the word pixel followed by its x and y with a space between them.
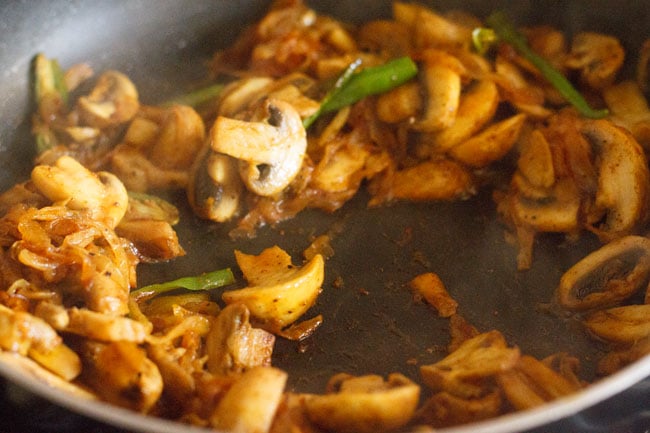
pixel 198 97
pixel 210 280
pixel 506 32
pixel 49 79
pixel 353 86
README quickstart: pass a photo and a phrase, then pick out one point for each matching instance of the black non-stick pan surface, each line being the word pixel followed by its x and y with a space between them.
pixel 371 322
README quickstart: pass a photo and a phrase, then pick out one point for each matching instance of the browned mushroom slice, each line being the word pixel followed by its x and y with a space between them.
pixel 607 276
pixel 251 402
pixel 365 404
pixel 531 383
pixel 627 324
pixel 460 372
pixel 491 144
pixel 444 409
pixel 441 77
pixel 69 183
pixel 598 57
pixel 113 101
pixel 439 179
pixel 623 178
pixel 430 28
pixel 28 335
pixel 121 373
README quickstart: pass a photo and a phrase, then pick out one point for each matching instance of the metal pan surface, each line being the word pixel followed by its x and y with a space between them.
pixel 371 323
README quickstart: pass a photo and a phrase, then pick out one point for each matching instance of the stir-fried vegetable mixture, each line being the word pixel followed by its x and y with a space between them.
pixel 419 107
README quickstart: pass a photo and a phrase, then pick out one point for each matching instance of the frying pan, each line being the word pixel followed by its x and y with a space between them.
pixel 372 324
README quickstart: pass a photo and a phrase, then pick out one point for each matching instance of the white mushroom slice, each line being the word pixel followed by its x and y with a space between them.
pixel 442 84
pixel 627 324
pixel 278 292
pixel 236 96
pixel 607 276
pixel 250 404
pixel 113 101
pixel 491 144
pixel 104 327
pixel 623 177
pixel 365 404
pixel 71 184
pixel 270 147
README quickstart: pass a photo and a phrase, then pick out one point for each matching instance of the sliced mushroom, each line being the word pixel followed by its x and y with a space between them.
pixel 104 327
pixel 598 57
pixel 270 147
pixel 28 335
pixel 365 404
pixel 531 383
pixel 623 178
pixel 71 184
pixel 181 137
pixel 491 144
pixel 627 324
pixel 214 188
pixel 461 372
pixel 251 402
pixel 122 374
pixel 629 108
pixel 477 107
pixel 430 28
pixel 443 409
pixel 607 276
pixel 113 101
pixel 437 179
pixel 278 292
pixel 442 86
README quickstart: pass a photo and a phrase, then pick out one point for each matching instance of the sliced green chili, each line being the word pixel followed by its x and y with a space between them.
pixel 197 97
pixel 210 280
pixel 49 81
pixel 504 29
pixel 352 86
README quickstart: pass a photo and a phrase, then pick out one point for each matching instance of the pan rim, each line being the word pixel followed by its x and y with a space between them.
pixel 509 423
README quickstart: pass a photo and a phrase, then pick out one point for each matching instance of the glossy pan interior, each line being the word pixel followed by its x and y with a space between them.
pixel 371 323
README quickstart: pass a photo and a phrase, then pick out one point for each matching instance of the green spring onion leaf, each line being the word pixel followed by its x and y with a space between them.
pixel 352 86
pixel 210 280
pixel 504 29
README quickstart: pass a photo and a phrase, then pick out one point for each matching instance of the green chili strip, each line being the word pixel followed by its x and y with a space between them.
pixel 210 280
pixel 197 97
pixel 504 29
pixel 49 79
pixel 353 86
